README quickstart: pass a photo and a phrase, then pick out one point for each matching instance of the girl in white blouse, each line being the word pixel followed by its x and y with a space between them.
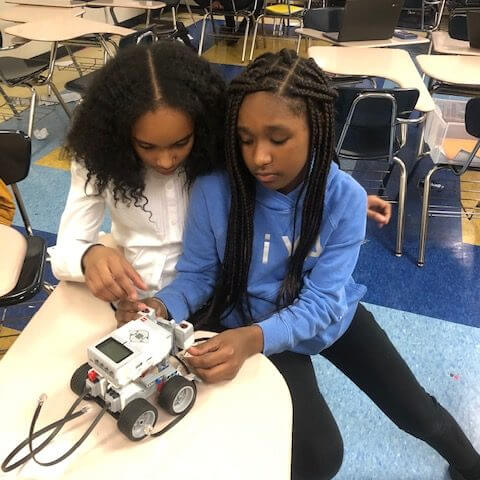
pixel 149 125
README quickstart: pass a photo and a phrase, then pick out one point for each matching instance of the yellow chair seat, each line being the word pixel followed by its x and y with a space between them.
pixel 282 9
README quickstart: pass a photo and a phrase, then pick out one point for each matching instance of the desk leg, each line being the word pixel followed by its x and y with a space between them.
pixel 60 99
pixel 114 17
pixel 31 113
pixel 49 80
pixel 4 94
pixel 420 148
pixel 74 60
pixel 421 140
pixel 147 21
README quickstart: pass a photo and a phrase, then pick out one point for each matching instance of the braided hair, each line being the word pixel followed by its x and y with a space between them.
pixel 306 89
pixel 138 80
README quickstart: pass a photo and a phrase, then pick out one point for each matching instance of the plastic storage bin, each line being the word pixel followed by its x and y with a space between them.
pixel 446 135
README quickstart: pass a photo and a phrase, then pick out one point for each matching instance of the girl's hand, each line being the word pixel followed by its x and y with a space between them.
pixel 379 210
pixel 221 357
pixel 128 310
pixel 109 276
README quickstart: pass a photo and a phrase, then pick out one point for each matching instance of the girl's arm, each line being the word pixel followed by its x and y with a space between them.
pixel 79 257
pixel 198 266
pixel 323 298
pixel 79 227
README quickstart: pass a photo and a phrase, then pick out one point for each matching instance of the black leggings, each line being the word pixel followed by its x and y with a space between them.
pixel 368 358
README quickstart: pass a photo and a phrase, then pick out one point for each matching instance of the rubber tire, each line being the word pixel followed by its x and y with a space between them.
pixel 77 383
pixel 131 413
pixel 170 391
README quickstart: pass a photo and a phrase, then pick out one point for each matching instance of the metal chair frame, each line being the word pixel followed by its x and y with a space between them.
pixel 445 210
pixel 390 157
pixel 248 15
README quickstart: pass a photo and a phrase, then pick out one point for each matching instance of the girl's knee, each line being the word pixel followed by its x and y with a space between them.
pixel 321 461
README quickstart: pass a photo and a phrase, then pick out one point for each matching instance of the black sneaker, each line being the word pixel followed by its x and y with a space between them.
pixel 454 474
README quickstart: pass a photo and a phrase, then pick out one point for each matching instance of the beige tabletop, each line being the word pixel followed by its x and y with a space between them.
pixel 395 65
pixel 444 43
pixel 50 3
pixel 13 247
pixel 143 4
pixel 389 42
pixel 237 430
pixel 454 69
pixel 31 13
pixel 65 28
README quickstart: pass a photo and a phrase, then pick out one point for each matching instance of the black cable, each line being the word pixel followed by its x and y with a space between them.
pixel 14 452
pixel 57 426
pixel 72 449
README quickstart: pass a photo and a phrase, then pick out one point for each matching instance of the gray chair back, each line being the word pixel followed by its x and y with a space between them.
pixel 457 26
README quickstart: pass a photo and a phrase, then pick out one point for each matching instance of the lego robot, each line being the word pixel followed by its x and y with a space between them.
pixel 131 364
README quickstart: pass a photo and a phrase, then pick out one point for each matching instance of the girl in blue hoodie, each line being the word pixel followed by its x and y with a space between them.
pixel 270 246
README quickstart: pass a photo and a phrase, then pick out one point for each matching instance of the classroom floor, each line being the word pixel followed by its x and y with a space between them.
pixel 432 314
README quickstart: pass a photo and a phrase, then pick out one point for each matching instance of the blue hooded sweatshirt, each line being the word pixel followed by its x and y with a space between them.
pixel 329 297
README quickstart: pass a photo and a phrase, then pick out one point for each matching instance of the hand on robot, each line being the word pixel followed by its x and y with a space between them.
pixel 109 276
pixel 128 310
pixel 379 210
pixel 221 357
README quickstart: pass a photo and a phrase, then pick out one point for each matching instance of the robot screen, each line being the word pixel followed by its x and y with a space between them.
pixel 114 350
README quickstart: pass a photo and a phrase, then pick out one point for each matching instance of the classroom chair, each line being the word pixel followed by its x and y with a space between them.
pixel 248 15
pixel 27 253
pixel 423 15
pixel 28 73
pixel 458 164
pixel 372 128
pixel 284 12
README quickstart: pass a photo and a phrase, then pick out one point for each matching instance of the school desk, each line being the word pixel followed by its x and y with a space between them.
pixel 237 430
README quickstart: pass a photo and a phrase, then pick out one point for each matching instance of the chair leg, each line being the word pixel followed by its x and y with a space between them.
pixel 48 288
pixel 422 242
pixel 60 99
pixel 202 34
pixel 191 14
pixel 254 36
pixel 74 60
pixel 401 207
pixel 8 100
pixel 174 17
pixel 31 115
pixel 245 38
pixel 147 20
pixel 21 207
pixel 299 41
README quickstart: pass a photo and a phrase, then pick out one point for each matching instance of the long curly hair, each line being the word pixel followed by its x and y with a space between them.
pixel 306 87
pixel 137 80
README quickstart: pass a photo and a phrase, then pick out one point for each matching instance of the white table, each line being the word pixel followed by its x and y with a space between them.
pixel 147 5
pixel 443 43
pixel 50 3
pixel 64 29
pixel 395 65
pixel 389 42
pixel 461 70
pixel 236 430
pixel 31 13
